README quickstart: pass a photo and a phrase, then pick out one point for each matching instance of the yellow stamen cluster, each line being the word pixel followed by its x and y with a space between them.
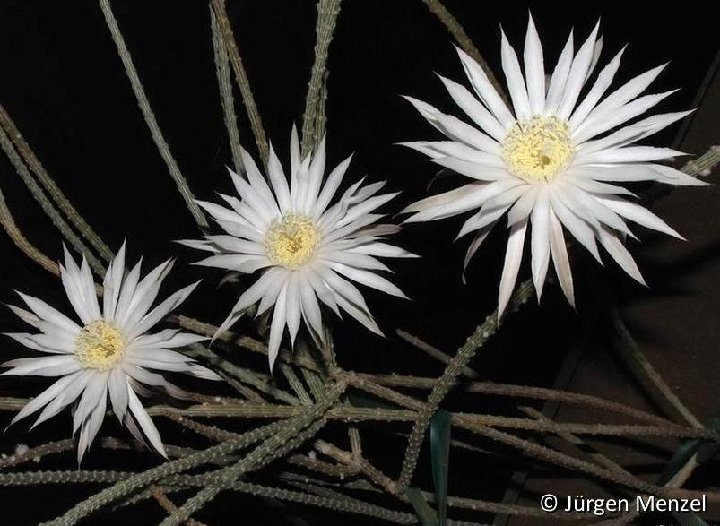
pixel 538 149
pixel 292 240
pixel 99 345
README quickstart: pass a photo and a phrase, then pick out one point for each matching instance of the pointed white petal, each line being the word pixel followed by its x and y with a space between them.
pixel 277 326
pixel 485 90
pixel 638 214
pixel 577 75
pixel 559 77
pixel 560 259
pixel 145 422
pixel 515 80
pixel 91 426
pixel 619 253
pixel 576 226
pixel 513 258
pixel 474 109
pixel 540 241
pixel 601 85
pixel 534 69
pixel 118 388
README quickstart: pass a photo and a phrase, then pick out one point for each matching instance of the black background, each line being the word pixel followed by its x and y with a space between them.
pixel 63 84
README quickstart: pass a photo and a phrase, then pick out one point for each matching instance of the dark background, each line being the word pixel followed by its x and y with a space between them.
pixel 63 84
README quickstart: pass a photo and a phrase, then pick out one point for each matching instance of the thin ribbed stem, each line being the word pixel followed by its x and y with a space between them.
pixel 222 69
pixel 328 11
pixel 223 22
pixel 62 202
pixel 149 116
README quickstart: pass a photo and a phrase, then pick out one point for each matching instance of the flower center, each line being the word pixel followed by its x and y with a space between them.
pixel 99 345
pixel 538 149
pixel 291 241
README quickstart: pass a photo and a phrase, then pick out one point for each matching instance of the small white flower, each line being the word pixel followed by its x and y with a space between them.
pixel 109 353
pixel 306 247
pixel 554 161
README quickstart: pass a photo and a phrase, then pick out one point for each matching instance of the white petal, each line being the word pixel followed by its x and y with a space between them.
pixel 455 129
pixel 369 279
pixel 540 241
pixel 601 85
pixel 513 258
pixel 47 313
pixel 559 77
pixel 91 427
pixel 515 80
pixel 145 422
pixel 475 110
pixel 292 307
pixel 127 291
pixel 112 283
pixel 46 366
pixel 628 154
pixel 277 326
pixel 118 389
pixel 534 69
pixel 485 90
pixel 576 226
pixel 309 304
pixel 473 170
pixel 47 396
pixel 315 176
pixel 278 181
pixel 624 94
pixel 559 253
pixel 577 75
pixel 94 391
pixel 597 125
pixel 250 296
pixel 638 214
pixel 163 309
pixel 619 253
pixel 331 185
pixel 523 206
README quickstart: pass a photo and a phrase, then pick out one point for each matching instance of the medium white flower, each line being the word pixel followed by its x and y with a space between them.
pixel 554 161
pixel 109 353
pixel 306 247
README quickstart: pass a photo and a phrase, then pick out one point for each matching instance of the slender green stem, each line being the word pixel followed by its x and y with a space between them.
pixel 223 22
pixel 328 11
pixel 46 205
pixel 222 69
pixel 447 381
pixel 149 116
pixel 57 195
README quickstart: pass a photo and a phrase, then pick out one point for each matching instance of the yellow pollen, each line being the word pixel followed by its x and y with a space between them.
pixel 291 241
pixel 99 345
pixel 538 149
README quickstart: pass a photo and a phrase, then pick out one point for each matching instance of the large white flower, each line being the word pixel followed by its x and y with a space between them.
pixel 554 161
pixel 306 247
pixel 106 355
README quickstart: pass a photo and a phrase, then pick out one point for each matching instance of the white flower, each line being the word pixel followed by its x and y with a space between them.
pixel 109 353
pixel 306 247
pixel 554 161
